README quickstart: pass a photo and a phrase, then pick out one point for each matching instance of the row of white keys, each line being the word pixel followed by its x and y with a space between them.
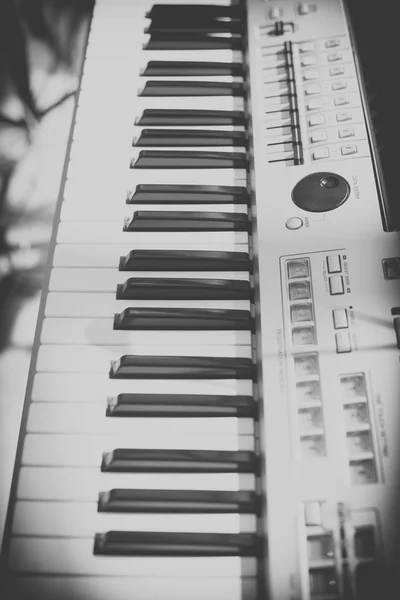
pixel 97 359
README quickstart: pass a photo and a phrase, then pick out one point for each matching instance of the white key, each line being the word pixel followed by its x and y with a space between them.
pixel 90 418
pixel 107 256
pixel 97 359
pixel 70 304
pixel 106 280
pixel 141 103
pixel 101 332
pixel 67 450
pixel 73 211
pixel 75 557
pixel 145 588
pixel 84 484
pixel 223 55
pixel 82 387
pixel 81 520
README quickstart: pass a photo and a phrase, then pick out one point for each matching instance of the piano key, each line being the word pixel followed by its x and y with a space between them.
pixel 97 359
pixel 178 221
pixel 181 367
pixel 176 41
pixel 84 387
pixel 190 117
pixel 181 501
pixel 184 318
pixel 187 137
pixel 176 260
pixel 184 289
pixel 185 405
pixel 101 332
pixel 177 159
pixel 84 484
pixel 74 210
pixel 68 450
pixel 167 68
pixel 189 81
pixel 83 520
pixel 188 193
pixel 146 588
pixel 90 418
pixel 75 557
pixel 198 25
pixel 179 284
pixel 193 55
pixel 100 232
pixel 192 11
pixel 190 88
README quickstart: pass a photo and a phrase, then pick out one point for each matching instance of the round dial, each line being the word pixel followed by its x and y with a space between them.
pixel 320 192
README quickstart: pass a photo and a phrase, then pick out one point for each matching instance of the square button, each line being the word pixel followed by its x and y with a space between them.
pixel 343 343
pixel 334 71
pixel 333 263
pixel 298 268
pixel 307 47
pixel 336 285
pixel 334 43
pixel 318 136
pixel 308 75
pixel 303 336
pixel 307 61
pixel 341 100
pixel 312 89
pixel 300 290
pixel 321 153
pixel 314 104
pixel 306 365
pixel 275 13
pixel 316 120
pixel 346 132
pixel 349 149
pixel 340 320
pixel 391 268
pixel 343 116
pixel 301 312
pixel 334 56
pixel 312 514
pixel 339 85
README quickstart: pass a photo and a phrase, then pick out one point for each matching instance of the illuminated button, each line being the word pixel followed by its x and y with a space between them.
pixel 334 56
pixel 307 61
pixel 364 542
pixel 300 290
pixel 307 47
pixel 346 132
pixel 341 100
pixel 333 263
pixel 312 89
pixel 320 153
pixel 318 136
pixel 358 442
pixel 353 386
pixel 307 391
pixel 336 285
pixel 301 312
pixel 316 120
pixel 343 342
pixel 310 418
pixel 275 13
pixel 323 581
pixel 334 43
pixel 306 365
pixel 298 268
pixel 310 75
pixel 334 71
pixel 320 546
pixel 314 104
pixel 356 414
pixel 303 336
pixel 363 471
pixel 349 149
pixel 312 446
pixel 312 514
pixel 339 85
pixel 340 320
pixel 294 223
pixel 343 116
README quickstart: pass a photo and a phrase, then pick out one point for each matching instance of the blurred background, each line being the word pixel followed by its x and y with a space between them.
pixel 42 45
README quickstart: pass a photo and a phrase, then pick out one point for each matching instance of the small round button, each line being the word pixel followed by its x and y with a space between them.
pixel 329 182
pixel 294 223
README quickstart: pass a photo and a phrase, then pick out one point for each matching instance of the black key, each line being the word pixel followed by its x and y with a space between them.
pixel 130 460
pixel 184 260
pixel 190 137
pixel 159 68
pixel 175 159
pixel 157 288
pixel 178 501
pixel 188 194
pixel 169 88
pixel 159 116
pixel 174 41
pixel 194 11
pixel 146 543
pixel 180 405
pixel 177 319
pixel 181 367
pixel 195 26
pixel 149 220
